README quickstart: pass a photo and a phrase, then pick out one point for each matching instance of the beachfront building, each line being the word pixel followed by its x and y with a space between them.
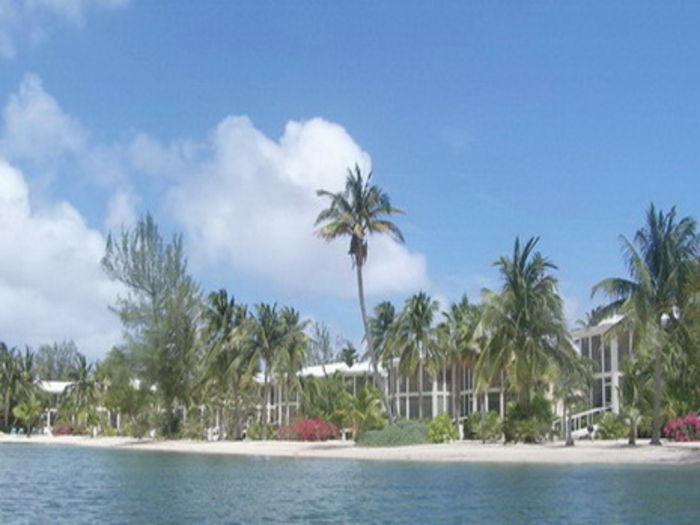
pixel 607 348
pixel 424 396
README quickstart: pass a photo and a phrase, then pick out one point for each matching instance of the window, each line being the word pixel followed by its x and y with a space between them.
pixel 427 381
pixel 428 407
pixel 402 408
pixel 495 402
pixel 623 348
pixel 413 383
pixel 448 380
pixel 598 393
pixel 595 353
pixel 585 348
pixel 413 408
pixel 608 393
pixel 606 358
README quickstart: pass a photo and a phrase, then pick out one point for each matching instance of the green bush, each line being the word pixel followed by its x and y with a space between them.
pixel 400 434
pixel 441 429
pixel 486 426
pixel 192 428
pixel 612 426
pixel 528 423
pixel 255 431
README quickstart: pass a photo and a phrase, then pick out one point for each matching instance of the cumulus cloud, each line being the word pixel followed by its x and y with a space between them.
pixel 32 20
pixel 121 210
pixel 252 205
pixel 51 284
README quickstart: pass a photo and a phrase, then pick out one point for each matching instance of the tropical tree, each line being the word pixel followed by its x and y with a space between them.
pixel 159 311
pixel 572 386
pixel 348 354
pixel 357 212
pixel 268 339
pixel 381 327
pixel 9 379
pixel 228 361
pixel 82 393
pixel 460 338
pixel 525 321
pixel 660 260
pixel 294 350
pixel 28 411
pixel 415 341
pixel 54 362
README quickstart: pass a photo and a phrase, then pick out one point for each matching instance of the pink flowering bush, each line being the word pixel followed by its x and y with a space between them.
pixel 314 430
pixel 684 428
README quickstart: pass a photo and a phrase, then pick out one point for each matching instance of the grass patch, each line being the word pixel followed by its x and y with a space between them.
pixel 398 435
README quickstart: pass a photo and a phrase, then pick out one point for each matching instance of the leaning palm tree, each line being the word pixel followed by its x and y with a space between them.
pixel 660 262
pixel 357 212
pixel 381 326
pixel 415 343
pixel 528 333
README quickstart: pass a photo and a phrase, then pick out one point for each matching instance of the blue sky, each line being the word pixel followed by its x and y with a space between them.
pixel 483 121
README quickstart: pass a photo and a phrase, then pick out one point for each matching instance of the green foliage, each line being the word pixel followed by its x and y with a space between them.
pixel 193 428
pixel 402 433
pixel 257 431
pixel 485 426
pixel 528 423
pixel 442 430
pixel 28 411
pixel 158 312
pixel 55 362
pixel 612 426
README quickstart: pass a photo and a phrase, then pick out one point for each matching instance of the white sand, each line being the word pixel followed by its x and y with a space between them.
pixel 585 452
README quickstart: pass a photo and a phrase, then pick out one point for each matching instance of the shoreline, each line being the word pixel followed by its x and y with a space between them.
pixel 583 453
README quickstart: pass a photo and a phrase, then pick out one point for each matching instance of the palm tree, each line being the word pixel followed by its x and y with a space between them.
pixel 381 326
pixel 9 378
pixel 357 212
pixel 528 334
pixel 460 337
pixel 571 386
pixel 415 343
pixel 228 363
pixel 660 262
pixel 294 351
pixel 82 391
pixel 268 338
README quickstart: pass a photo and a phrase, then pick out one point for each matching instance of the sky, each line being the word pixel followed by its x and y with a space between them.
pixel 482 120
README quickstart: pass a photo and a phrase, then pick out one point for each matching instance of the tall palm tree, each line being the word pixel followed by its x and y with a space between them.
pixel 660 261
pixel 268 338
pixel 380 327
pixel 294 351
pixel 228 363
pixel 82 391
pixel 415 343
pixel 460 337
pixel 528 333
pixel 357 212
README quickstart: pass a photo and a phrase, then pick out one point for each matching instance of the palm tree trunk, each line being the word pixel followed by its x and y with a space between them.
pixel 656 428
pixel 368 339
pixel 266 414
pixel 567 422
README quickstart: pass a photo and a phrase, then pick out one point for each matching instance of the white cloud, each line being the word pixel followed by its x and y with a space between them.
pixel 121 210
pixel 33 19
pixel 51 284
pixel 252 205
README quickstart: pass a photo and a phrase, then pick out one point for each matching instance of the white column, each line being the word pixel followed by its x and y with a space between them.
pixel 615 377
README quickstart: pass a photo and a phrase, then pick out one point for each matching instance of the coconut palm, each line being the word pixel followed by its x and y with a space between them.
pixel 28 411
pixel 528 333
pixel 571 386
pixel 268 338
pixel 381 326
pixel 294 351
pixel 460 337
pixel 81 394
pixel 357 212
pixel 414 341
pixel 228 363
pixel 660 261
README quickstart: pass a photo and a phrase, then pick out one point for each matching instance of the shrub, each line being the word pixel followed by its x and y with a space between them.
pixel 487 426
pixel 400 434
pixel 314 430
pixel 684 428
pixel 528 424
pixel 612 426
pixel 65 429
pixel 192 428
pixel 255 431
pixel 441 429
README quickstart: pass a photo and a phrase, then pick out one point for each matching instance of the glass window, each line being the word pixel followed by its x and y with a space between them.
pixel 427 407
pixel 448 379
pixel 598 393
pixel 623 348
pixel 413 383
pixel 494 402
pixel 595 354
pixel 427 381
pixel 467 404
pixel 413 408
pixel 608 394
pixel 585 348
pixel 606 357
pixel 402 408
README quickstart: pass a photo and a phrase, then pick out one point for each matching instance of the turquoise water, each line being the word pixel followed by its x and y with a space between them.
pixel 50 484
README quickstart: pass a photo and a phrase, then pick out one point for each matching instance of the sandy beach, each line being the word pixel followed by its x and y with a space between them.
pixel 585 452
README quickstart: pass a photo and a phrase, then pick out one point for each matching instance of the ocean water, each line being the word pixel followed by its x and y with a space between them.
pixel 53 484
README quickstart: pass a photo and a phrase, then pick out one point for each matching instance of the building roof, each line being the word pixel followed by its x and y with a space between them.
pixel 602 327
pixel 54 387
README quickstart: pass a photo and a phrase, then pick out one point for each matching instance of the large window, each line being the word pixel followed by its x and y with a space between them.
pixel 413 383
pixel 494 402
pixel 428 407
pixel 413 408
pixel 598 393
pixel 606 357
pixel 595 353
pixel 585 348
pixel 623 348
